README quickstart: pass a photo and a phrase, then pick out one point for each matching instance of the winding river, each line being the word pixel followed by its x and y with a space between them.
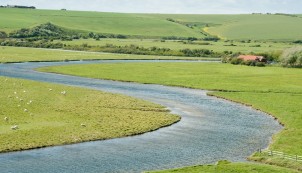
pixel 211 129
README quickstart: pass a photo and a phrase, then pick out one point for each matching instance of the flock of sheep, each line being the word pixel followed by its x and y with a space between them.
pixel 16 127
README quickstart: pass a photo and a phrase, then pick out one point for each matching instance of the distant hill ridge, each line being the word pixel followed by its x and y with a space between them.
pixel 17 6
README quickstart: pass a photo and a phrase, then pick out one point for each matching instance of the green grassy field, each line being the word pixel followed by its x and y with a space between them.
pixel 231 168
pixel 17 54
pixel 259 27
pixel 237 27
pixel 46 117
pixel 275 90
pixel 247 26
pixel 112 23
pixel 176 45
pixel 211 76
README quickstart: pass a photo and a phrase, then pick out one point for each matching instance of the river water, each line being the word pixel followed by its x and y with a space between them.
pixel 211 129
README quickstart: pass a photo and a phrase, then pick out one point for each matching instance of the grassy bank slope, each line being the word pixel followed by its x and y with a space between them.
pixel 275 90
pixel 46 117
pixel 231 168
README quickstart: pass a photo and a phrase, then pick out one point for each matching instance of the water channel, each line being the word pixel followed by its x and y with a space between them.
pixel 211 129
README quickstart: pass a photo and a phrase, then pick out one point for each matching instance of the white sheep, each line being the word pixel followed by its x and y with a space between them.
pixel 15 127
pixel 50 89
pixel 63 92
pixel 25 110
pixel 15 92
pixel 30 101
pixel 83 125
pixel 5 118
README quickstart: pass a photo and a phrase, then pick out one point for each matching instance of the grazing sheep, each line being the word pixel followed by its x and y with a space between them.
pixel 15 127
pixel 15 92
pixel 30 101
pixel 25 110
pixel 63 92
pixel 21 100
pixel 6 119
pixel 50 89
pixel 83 125
pixel 24 91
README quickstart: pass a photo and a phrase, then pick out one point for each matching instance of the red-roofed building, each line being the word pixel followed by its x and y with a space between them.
pixel 252 58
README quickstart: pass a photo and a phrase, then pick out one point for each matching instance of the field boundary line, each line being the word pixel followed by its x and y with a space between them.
pixel 281 155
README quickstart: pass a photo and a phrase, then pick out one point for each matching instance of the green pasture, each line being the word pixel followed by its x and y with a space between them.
pixel 231 168
pixel 220 46
pixel 234 27
pixel 246 26
pixel 259 27
pixel 48 115
pixel 19 54
pixel 111 23
pixel 274 90
pixel 210 76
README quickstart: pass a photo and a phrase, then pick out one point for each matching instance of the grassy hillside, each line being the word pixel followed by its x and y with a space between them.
pixel 275 90
pixel 255 27
pixel 260 27
pixel 248 26
pixel 113 23
pixel 46 117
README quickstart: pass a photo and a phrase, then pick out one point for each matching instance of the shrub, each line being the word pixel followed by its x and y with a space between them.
pixel 121 36
pixel 260 64
pixel 271 56
pixel 211 38
pixel 292 57
pixel 236 61
pixel 298 42
pixel 3 34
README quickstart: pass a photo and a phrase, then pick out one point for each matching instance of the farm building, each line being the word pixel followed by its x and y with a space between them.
pixel 252 58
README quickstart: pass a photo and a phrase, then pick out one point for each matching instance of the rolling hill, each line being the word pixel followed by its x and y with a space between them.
pixel 234 27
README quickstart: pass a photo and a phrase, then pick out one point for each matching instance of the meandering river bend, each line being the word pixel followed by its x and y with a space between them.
pixel 211 129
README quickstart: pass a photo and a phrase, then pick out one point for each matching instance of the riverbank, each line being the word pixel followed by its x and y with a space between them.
pixel 37 115
pixel 24 54
pixel 274 90
pixel 227 167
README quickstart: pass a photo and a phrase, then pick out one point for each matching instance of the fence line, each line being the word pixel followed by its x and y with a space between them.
pixel 282 155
